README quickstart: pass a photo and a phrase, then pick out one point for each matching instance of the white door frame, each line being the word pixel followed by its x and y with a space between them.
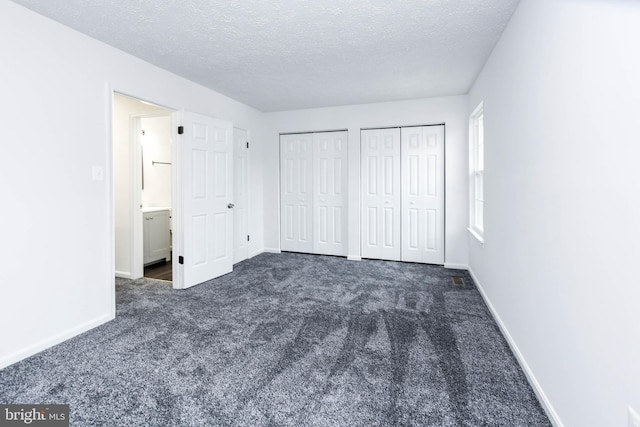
pixel 136 239
pixel 247 191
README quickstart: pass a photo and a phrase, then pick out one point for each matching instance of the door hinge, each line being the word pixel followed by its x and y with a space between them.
pixel 247 144
pixel 180 259
pixel 248 238
pixel 180 130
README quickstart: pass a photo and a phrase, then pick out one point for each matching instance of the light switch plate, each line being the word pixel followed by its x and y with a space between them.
pixel 634 418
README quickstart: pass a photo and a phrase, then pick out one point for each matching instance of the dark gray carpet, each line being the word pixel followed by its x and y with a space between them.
pixel 289 339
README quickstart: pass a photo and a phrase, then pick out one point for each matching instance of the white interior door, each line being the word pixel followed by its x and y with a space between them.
pixel 204 220
pixel 240 195
pixel 380 190
pixel 296 192
pixel 330 193
pixel 423 194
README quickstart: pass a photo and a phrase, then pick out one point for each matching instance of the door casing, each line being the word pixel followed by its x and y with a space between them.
pixel 241 190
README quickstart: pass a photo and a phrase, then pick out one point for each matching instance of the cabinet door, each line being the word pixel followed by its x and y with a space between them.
pixel 157 237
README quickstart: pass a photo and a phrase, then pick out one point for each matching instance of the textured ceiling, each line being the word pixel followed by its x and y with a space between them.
pixel 290 54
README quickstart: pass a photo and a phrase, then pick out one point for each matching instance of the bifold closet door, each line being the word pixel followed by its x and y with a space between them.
pixel 422 152
pixel 313 193
pixel 380 189
pixel 296 192
pixel 330 193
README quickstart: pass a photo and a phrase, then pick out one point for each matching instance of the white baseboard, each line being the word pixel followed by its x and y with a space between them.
pixel 123 274
pixel 51 341
pixel 272 251
pixel 255 253
pixel 456 266
pixel 354 257
pixel 542 397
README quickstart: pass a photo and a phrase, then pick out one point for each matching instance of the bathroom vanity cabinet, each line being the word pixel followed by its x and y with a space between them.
pixel 157 235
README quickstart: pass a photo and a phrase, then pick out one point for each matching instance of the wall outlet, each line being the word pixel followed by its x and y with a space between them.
pixel 634 418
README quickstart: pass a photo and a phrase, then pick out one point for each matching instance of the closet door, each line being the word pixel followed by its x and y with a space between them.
pixel 296 187
pixel 330 193
pixel 423 194
pixel 380 189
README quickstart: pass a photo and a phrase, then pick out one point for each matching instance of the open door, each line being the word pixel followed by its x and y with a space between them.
pixel 203 215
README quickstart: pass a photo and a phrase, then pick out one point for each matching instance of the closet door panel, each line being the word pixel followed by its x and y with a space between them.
pixel 329 192
pixel 296 192
pixel 423 194
pixel 380 193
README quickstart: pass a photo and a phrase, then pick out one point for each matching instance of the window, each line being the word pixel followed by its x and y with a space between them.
pixel 476 149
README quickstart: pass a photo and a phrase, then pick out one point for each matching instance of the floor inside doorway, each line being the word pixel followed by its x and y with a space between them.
pixel 161 271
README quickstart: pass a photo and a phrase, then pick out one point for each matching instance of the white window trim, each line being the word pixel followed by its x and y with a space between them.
pixel 474 233
pixel 475 230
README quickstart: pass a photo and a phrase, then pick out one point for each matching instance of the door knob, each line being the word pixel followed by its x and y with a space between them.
pixel 230 205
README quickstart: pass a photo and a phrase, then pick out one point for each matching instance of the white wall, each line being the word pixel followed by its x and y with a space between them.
pixel 561 98
pixel 156 147
pixel 123 109
pixel 451 110
pixel 59 84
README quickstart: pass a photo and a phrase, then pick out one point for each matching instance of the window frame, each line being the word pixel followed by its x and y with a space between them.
pixel 476 172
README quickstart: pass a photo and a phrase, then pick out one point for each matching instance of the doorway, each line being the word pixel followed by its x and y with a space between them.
pixel 200 213
pixel 155 145
pixel 142 159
